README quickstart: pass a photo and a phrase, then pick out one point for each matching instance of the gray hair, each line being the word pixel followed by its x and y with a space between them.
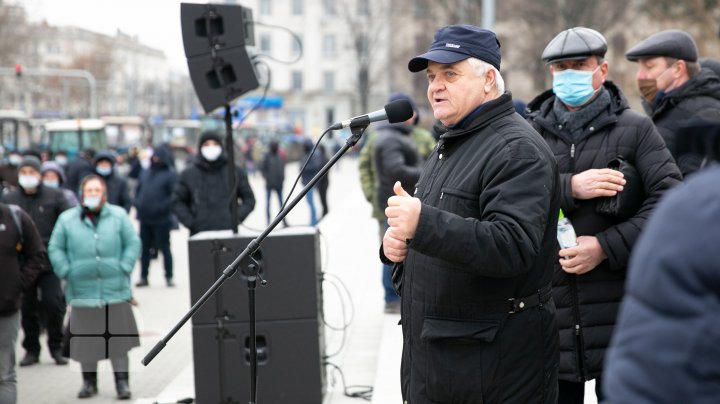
pixel 481 68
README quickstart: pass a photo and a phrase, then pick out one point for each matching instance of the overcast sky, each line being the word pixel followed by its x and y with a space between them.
pixel 155 22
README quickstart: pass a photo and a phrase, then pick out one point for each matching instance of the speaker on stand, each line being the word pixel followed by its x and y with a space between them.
pixel 214 38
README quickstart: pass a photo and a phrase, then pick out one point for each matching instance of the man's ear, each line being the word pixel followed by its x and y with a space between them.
pixel 490 78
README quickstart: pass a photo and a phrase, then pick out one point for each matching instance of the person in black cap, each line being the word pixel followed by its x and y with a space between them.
pixel 674 87
pixel 475 245
pixel 44 205
pixel 201 196
pixel 587 122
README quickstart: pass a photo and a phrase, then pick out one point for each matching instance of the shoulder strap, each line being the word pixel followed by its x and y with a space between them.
pixel 17 218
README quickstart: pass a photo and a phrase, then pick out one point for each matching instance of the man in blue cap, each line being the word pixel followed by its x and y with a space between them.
pixel 476 242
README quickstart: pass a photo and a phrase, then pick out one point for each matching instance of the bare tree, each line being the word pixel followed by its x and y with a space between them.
pixel 700 16
pixel 366 31
pixel 543 19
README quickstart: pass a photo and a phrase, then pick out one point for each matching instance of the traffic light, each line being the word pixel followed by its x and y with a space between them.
pixel 18 70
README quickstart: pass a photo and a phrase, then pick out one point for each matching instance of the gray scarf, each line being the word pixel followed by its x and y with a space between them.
pixel 575 121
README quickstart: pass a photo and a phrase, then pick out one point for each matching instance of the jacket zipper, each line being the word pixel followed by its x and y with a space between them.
pixel 572 158
pixel 578 329
pixel 436 166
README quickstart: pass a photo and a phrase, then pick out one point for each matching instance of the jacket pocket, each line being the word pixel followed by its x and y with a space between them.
pixel 462 203
pixel 461 359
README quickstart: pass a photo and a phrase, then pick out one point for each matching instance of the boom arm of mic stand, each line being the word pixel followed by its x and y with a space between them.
pixel 253 246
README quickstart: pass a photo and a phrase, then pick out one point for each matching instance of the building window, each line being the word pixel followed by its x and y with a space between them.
pixel 297 7
pixel 296 45
pixel 329 7
pixel 363 7
pixel 362 44
pixel 329 82
pixel 265 43
pixel 265 7
pixel 328 45
pixel 297 80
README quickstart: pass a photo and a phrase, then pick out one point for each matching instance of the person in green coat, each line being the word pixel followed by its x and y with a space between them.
pixel 94 248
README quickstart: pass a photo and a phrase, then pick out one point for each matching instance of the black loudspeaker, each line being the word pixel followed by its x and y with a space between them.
pixel 290 337
pixel 290 367
pixel 290 262
pixel 214 37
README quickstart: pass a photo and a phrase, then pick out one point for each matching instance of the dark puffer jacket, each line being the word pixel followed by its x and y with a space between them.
pixel 587 304
pixel 486 234
pixel 202 196
pixel 698 98
pixel 153 198
pixel 396 159
pixel 44 207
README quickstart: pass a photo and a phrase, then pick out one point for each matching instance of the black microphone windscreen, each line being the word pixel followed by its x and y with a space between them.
pixel 399 111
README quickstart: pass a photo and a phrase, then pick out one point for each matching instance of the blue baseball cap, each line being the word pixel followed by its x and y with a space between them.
pixel 454 43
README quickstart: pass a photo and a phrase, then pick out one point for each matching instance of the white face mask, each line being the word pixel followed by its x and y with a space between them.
pixel 211 152
pixel 92 202
pixel 28 181
pixel 61 160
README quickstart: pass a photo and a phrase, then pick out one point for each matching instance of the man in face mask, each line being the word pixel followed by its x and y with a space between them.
pixel 675 89
pixel 117 187
pixel 201 195
pixel 587 122
pixel 43 205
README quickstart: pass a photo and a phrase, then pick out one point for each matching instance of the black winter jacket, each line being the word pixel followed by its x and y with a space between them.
pixel 202 196
pixel 587 304
pixel 396 159
pixel 486 234
pixel 697 99
pixel 273 170
pixel 44 207
pixel 19 269
pixel 153 198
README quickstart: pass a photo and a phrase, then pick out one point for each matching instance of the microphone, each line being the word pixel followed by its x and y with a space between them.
pixel 396 111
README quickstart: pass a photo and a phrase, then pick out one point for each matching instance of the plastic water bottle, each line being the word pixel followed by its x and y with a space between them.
pixel 565 232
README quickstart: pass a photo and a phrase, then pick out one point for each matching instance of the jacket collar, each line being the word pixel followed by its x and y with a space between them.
pixel 482 116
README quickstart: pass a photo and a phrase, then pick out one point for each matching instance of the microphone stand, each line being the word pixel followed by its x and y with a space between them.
pixel 252 247
pixel 232 182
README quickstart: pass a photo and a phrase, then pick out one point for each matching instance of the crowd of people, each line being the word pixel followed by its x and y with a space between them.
pixel 492 308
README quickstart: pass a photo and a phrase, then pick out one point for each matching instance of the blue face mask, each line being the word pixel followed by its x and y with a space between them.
pixel 574 87
pixel 104 171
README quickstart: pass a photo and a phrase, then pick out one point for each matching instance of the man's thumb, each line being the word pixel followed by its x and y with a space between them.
pixel 399 191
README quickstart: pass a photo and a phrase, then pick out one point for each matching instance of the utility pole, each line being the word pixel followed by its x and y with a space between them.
pixel 488 14
pixel 49 72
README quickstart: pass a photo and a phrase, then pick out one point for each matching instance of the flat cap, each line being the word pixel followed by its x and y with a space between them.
pixel 454 43
pixel 673 43
pixel 575 43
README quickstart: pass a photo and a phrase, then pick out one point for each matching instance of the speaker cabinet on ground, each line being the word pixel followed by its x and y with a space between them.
pixel 290 367
pixel 290 338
